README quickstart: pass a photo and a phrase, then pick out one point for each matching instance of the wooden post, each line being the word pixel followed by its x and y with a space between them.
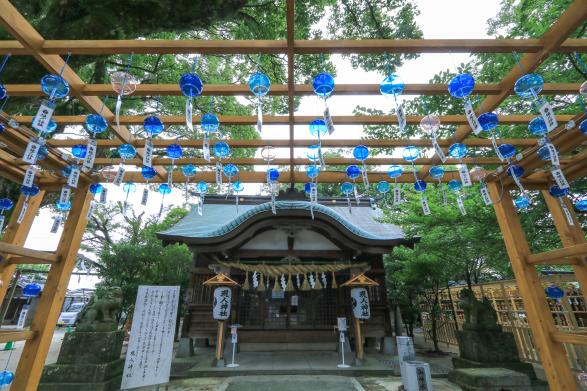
pixel 16 234
pixel 219 341
pixel 360 354
pixel 32 360
pixel 570 234
pixel 552 354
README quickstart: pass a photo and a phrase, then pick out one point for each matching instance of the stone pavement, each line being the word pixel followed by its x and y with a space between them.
pixel 293 383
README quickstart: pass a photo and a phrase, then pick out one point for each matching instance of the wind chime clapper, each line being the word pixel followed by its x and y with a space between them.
pixel 456 186
pixel 126 152
pixel 259 84
pixel 124 84
pixel 410 154
pixel 201 188
pixel 430 124
pixel 437 173
pixel 230 171
pixel 173 151
pixel 459 151
pixel 318 128
pixel 5 205
pixel 221 150
pixel 237 188
pixel 395 171
pixel 479 174
pixel 323 85
pixel 127 188
pixel 460 87
pixel 191 86
pixel 353 172
pixel 153 126
pixel 558 193
pixel 273 182
pixel 361 153
pixel 164 189
pixel 393 86
pixel 62 208
pixel 311 188
pixel 148 173
pixel 188 171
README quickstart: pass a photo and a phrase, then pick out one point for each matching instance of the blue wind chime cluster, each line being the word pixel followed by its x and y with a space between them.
pixel 356 187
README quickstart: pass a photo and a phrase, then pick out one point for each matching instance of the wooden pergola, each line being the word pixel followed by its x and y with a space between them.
pixel 29 42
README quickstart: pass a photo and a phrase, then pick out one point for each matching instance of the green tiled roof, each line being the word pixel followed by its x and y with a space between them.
pixel 220 219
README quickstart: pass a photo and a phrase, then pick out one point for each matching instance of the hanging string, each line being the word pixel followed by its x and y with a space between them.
pixel 6 57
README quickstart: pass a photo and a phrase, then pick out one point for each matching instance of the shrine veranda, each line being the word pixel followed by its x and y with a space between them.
pixel 348 244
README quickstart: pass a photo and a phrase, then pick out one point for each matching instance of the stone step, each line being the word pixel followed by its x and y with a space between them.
pixel 287 346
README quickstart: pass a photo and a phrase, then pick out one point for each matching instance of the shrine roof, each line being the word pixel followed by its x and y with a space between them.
pixel 218 220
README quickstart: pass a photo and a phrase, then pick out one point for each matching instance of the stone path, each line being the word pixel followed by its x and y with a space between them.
pixel 294 383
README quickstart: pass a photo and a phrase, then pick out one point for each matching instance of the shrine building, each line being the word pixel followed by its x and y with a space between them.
pixel 289 267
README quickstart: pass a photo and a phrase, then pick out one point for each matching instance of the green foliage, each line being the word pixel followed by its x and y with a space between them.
pixel 139 258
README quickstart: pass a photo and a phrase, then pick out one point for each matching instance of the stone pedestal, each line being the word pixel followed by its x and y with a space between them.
pixel 490 349
pixel 490 379
pixel 185 348
pixel 88 361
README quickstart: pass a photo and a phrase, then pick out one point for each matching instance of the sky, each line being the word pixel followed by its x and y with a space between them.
pixel 435 20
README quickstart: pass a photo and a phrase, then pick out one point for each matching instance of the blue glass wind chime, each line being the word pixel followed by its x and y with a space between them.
pixel 153 126
pixel 410 154
pixel 272 174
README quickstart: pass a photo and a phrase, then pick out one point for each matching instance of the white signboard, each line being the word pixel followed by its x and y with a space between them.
pixel 22 317
pixel 341 324
pixel 222 301
pixel 360 300
pixel 150 347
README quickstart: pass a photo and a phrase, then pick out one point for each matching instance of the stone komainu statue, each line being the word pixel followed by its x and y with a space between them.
pixel 478 314
pixel 100 312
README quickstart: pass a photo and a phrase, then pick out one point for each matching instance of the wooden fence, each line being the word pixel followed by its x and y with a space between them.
pixel 569 314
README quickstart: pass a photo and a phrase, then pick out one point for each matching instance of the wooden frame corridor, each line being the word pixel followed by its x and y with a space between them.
pixel 29 42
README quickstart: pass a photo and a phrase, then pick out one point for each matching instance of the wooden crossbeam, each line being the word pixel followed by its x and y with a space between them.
pixel 15 335
pixel 552 354
pixel 572 338
pixel 261 177
pixel 552 41
pixel 30 39
pixel 28 261
pixel 282 90
pixel 376 161
pixel 512 119
pixel 565 252
pixel 126 46
pixel 256 143
pixel 12 249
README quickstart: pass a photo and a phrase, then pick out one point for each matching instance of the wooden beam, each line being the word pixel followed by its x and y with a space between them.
pixel 292 162
pixel 552 40
pixel 30 39
pixel 162 46
pixel 570 235
pixel 11 249
pixel 572 338
pixel 16 335
pixel 23 260
pixel 577 250
pixel 282 89
pixel 513 119
pixel 257 143
pixel 15 234
pixel 552 354
pixel 32 360
pixel 290 17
